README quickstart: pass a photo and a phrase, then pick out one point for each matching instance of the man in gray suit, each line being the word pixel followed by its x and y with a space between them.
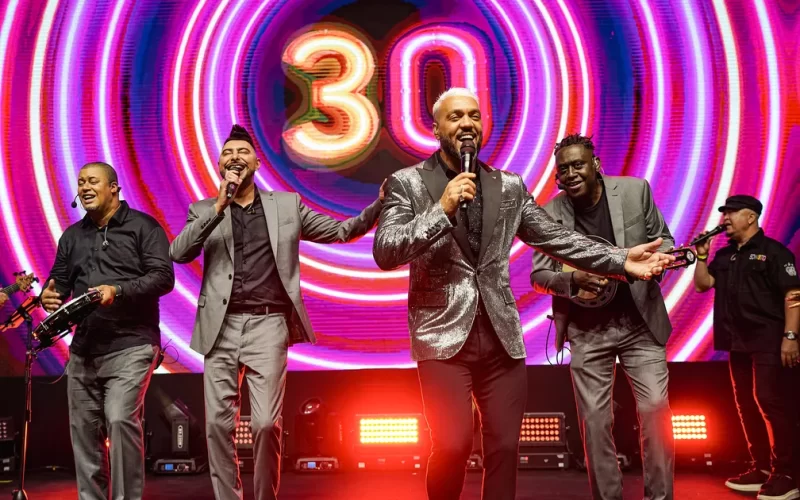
pixel 250 309
pixel 463 320
pixel 631 323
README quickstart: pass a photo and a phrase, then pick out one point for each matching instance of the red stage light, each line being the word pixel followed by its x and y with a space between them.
pixel 389 430
pixel 542 429
pixel 243 437
pixel 689 427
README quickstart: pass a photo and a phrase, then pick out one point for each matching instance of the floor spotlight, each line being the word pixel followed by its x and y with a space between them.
pixel 693 444
pixel 396 441
pixel 543 441
pixel 188 453
pixel 319 437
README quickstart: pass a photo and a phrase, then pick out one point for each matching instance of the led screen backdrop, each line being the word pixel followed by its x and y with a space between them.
pixel 698 97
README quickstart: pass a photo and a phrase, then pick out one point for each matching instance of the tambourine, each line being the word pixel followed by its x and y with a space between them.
pixel 588 299
pixel 65 318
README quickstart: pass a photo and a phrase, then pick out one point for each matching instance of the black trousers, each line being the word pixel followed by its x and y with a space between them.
pixel 482 369
pixel 760 386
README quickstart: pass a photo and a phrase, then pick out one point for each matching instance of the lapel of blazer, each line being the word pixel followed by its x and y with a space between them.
pixel 615 207
pixel 435 181
pixel 271 214
pixel 491 193
pixel 566 213
pixel 227 231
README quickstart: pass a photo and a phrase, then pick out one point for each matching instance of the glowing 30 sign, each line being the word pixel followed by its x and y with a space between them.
pixel 343 97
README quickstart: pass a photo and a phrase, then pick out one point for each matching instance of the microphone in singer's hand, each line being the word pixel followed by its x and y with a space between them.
pixel 708 235
pixel 231 188
pixel 468 150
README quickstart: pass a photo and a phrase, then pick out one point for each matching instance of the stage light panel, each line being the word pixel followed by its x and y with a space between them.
pixel 389 430
pixel 542 429
pixel 243 436
pixel 689 427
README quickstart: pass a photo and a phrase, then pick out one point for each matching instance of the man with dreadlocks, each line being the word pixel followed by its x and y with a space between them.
pixel 250 309
pixel 631 324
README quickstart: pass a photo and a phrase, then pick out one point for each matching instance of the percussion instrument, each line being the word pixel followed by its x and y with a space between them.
pixel 65 318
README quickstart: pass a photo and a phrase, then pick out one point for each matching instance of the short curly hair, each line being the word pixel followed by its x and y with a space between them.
pixel 572 140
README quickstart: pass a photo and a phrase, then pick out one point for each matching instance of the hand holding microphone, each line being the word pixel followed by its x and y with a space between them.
pixel 460 190
pixel 702 243
pixel 228 186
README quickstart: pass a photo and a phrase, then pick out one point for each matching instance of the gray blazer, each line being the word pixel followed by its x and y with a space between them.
pixel 288 221
pixel 446 279
pixel 636 220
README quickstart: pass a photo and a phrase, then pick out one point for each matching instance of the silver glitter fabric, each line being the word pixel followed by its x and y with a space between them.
pixel 446 280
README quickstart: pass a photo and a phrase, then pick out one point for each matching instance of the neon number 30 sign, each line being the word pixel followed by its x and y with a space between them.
pixel 342 122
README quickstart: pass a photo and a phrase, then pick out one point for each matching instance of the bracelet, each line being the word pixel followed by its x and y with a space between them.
pixel 702 257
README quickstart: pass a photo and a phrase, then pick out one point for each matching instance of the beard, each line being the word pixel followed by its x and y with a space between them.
pixel 449 147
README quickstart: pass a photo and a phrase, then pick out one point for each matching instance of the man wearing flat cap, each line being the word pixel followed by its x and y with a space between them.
pixel 754 277
pixel 250 309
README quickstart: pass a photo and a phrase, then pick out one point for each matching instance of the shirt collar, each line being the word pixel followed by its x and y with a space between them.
pixel 253 204
pixel 116 220
pixel 449 173
pixel 755 241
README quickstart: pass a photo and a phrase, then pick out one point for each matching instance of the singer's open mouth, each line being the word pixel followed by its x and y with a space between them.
pixel 88 197
pixel 236 167
pixel 466 137
pixel 574 184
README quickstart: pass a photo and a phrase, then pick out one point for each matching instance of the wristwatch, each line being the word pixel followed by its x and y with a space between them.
pixel 790 335
pixel 119 291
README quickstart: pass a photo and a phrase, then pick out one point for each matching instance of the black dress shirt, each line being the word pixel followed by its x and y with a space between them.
pixel 136 258
pixel 750 288
pixel 255 278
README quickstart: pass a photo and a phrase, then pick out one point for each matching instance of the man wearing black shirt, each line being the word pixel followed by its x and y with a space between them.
pixel 250 309
pixel 755 281
pixel 633 325
pixel 123 254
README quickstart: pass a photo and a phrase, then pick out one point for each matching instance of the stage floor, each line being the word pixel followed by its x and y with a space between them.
pixel 564 485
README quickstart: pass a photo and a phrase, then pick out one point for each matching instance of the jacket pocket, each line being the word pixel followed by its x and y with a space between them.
pixel 632 222
pixel 427 298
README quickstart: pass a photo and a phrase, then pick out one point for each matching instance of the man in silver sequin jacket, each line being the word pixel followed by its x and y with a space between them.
pixel 463 320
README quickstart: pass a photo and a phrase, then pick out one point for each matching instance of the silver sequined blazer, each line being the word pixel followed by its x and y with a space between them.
pixel 446 279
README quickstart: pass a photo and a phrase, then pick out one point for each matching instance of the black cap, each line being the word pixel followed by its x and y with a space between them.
pixel 740 201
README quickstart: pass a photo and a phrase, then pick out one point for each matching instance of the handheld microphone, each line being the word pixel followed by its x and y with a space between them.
pixel 75 201
pixel 467 159
pixel 708 235
pixel 231 187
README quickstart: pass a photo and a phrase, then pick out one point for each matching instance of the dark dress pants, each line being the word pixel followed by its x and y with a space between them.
pixel 484 371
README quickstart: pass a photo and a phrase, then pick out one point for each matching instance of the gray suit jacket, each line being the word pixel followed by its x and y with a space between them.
pixel 636 220
pixel 288 221
pixel 446 280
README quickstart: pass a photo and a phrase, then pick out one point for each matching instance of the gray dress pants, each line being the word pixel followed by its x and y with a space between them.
pixel 255 347
pixel 106 400
pixel 593 367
